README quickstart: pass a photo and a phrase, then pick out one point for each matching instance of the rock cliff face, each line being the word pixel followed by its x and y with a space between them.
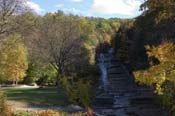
pixel 119 95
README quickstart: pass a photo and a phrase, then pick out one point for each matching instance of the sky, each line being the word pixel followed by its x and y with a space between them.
pixel 95 8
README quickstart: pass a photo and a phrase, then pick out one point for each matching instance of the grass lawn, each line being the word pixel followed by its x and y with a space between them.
pixel 42 97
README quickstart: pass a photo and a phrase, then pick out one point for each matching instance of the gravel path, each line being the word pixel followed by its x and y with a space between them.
pixel 70 108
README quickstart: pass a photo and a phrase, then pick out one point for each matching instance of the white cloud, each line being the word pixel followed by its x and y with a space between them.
pixel 76 0
pixel 35 7
pixel 71 10
pixel 112 7
pixel 59 5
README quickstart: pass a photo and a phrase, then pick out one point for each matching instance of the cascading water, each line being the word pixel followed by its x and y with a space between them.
pixel 103 67
pixel 103 72
pixel 118 94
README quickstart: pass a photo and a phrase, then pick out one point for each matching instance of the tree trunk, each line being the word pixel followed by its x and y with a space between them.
pixel 59 76
pixel 16 83
pixel 58 81
pixel 13 83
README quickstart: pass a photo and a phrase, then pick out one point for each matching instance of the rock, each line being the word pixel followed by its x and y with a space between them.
pixel 33 84
pixel 74 108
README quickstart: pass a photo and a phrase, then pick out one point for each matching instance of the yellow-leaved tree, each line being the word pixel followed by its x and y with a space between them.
pixel 14 59
pixel 161 74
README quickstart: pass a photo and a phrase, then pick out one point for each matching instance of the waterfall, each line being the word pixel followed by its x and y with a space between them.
pixel 103 58
pixel 103 72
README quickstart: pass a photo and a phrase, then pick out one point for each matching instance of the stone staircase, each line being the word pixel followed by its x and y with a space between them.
pixel 123 97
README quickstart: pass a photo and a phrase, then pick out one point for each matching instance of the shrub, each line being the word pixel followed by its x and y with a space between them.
pixel 78 92
pixel 46 113
pixel 5 109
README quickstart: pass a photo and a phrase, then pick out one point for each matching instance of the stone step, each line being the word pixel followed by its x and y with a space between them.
pixel 113 66
pixel 121 102
pixel 118 79
pixel 117 75
pixel 103 102
pixel 145 90
pixel 107 112
pixel 119 84
pixel 114 60
pixel 144 94
pixel 116 89
pixel 114 112
pixel 146 112
pixel 137 111
pixel 111 112
pixel 115 71
pixel 120 92
pixel 114 82
pixel 141 101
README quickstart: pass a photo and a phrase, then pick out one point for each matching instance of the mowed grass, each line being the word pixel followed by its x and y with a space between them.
pixel 41 97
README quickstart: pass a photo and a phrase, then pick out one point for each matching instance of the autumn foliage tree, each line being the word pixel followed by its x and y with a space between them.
pixel 9 9
pixel 59 41
pixel 14 59
pixel 161 73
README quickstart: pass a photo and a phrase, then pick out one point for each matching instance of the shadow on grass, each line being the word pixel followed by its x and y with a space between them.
pixel 43 97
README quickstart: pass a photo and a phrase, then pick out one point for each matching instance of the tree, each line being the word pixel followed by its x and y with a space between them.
pixel 26 24
pixel 161 73
pixel 159 16
pixel 8 10
pixel 164 9
pixel 14 59
pixel 59 40
pixel 33 72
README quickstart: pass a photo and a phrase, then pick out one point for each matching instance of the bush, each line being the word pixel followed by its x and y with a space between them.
pixel 46 113
pixel 78 92
pixel 5 109
pixel 22 113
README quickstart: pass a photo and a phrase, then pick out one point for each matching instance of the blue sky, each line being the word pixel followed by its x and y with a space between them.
pixel 96 8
